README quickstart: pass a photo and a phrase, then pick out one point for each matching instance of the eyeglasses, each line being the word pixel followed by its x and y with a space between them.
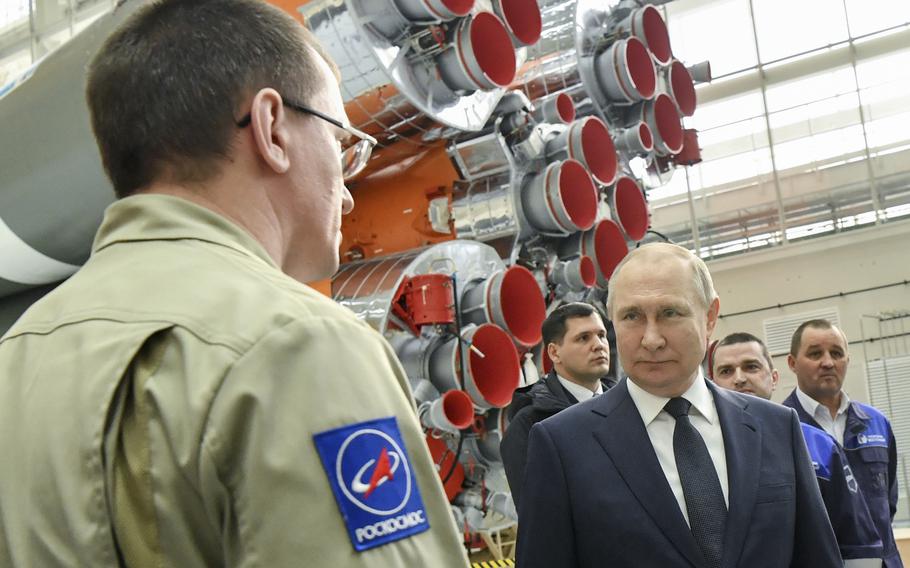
pixel 354 158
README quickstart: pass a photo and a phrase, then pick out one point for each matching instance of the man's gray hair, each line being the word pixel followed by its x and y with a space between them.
pixel 704 284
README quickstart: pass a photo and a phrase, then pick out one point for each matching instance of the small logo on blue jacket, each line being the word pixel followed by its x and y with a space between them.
pixel 373 482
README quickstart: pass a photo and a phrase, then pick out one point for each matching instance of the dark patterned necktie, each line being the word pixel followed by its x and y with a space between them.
pixel 701 488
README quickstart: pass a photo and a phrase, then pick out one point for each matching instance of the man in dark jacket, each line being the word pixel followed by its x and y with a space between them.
pixel 819 358
pixel 575 340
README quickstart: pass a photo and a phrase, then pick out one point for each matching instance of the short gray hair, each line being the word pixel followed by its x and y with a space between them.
pixel 704 284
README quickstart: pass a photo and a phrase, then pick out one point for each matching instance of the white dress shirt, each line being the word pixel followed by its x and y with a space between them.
pixel 579 392
pixel 834 426
pixel 660 424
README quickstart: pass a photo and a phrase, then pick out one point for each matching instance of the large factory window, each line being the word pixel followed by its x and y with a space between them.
pixel 694 31
pixel 788 28
pixel 866 18
pixel 804 130
pixel 30 29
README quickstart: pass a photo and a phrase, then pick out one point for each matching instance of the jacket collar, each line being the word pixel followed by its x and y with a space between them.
pixel 158 217
pixel 857 418
pixel 546 395
pixel 557 390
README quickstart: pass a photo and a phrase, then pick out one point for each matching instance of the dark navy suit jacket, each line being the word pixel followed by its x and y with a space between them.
pixel 596 495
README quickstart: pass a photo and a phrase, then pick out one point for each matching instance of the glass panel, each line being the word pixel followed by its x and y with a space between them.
pixel 809 89
pixel 819 148
pixel 743 136
pixel 866 17
pixel 676 186
pixel 752 227
pixel 885 69
pixel 12 12
pixel 733 168
pixel 720 32
pixel 888 131
pixel 821 116
pixel 726 111
pixel 888 98
pixel 787 27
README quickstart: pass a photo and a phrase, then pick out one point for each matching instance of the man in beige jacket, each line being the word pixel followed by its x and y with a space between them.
pixel 184 400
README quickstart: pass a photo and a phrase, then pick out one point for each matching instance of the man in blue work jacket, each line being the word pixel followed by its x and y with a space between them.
pixel 819 358
pixel 741 362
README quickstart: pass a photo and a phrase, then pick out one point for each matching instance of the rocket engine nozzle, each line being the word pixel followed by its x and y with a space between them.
pixel 450 412
pixel 648 25
pixel 662 117
pixel 682 88
pixel 429 10
pixel 636 140
pixel 588 141
pixel 491 372
pixel 522 19
pixel 576 274
pixel 562 199
pixel 510 298
pixel 626 72
pixel 630 208
pixel 604 243
pixel 480 57
pixel 558 109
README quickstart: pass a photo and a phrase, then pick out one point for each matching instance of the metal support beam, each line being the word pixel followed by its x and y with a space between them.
pixel 781 220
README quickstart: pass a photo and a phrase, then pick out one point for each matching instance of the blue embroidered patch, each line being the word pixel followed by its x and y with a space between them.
pixel 373 482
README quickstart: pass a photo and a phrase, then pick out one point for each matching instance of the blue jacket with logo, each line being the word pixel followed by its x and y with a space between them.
pixel 871 452
pixel 856 534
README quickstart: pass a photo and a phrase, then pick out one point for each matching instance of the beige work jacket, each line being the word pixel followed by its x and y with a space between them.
pixel 161 406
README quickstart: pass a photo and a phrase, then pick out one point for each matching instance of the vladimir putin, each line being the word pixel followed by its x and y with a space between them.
pixel 665 469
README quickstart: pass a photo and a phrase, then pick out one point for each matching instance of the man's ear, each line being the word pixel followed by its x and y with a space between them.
pixel 553 352
pixel 268 122
pixel 775 378
pixel 713 311
pixel 791 362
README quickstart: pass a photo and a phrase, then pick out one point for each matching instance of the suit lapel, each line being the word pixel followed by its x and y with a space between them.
pixel 623 436
pixel 742 445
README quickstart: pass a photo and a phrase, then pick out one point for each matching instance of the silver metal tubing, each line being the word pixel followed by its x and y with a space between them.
pixel 390 81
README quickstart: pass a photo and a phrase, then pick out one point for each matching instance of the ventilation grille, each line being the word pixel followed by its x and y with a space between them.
pixel 889 391
pixel 779 331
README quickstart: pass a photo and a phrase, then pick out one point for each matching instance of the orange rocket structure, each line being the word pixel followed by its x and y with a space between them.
pixel 517 141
